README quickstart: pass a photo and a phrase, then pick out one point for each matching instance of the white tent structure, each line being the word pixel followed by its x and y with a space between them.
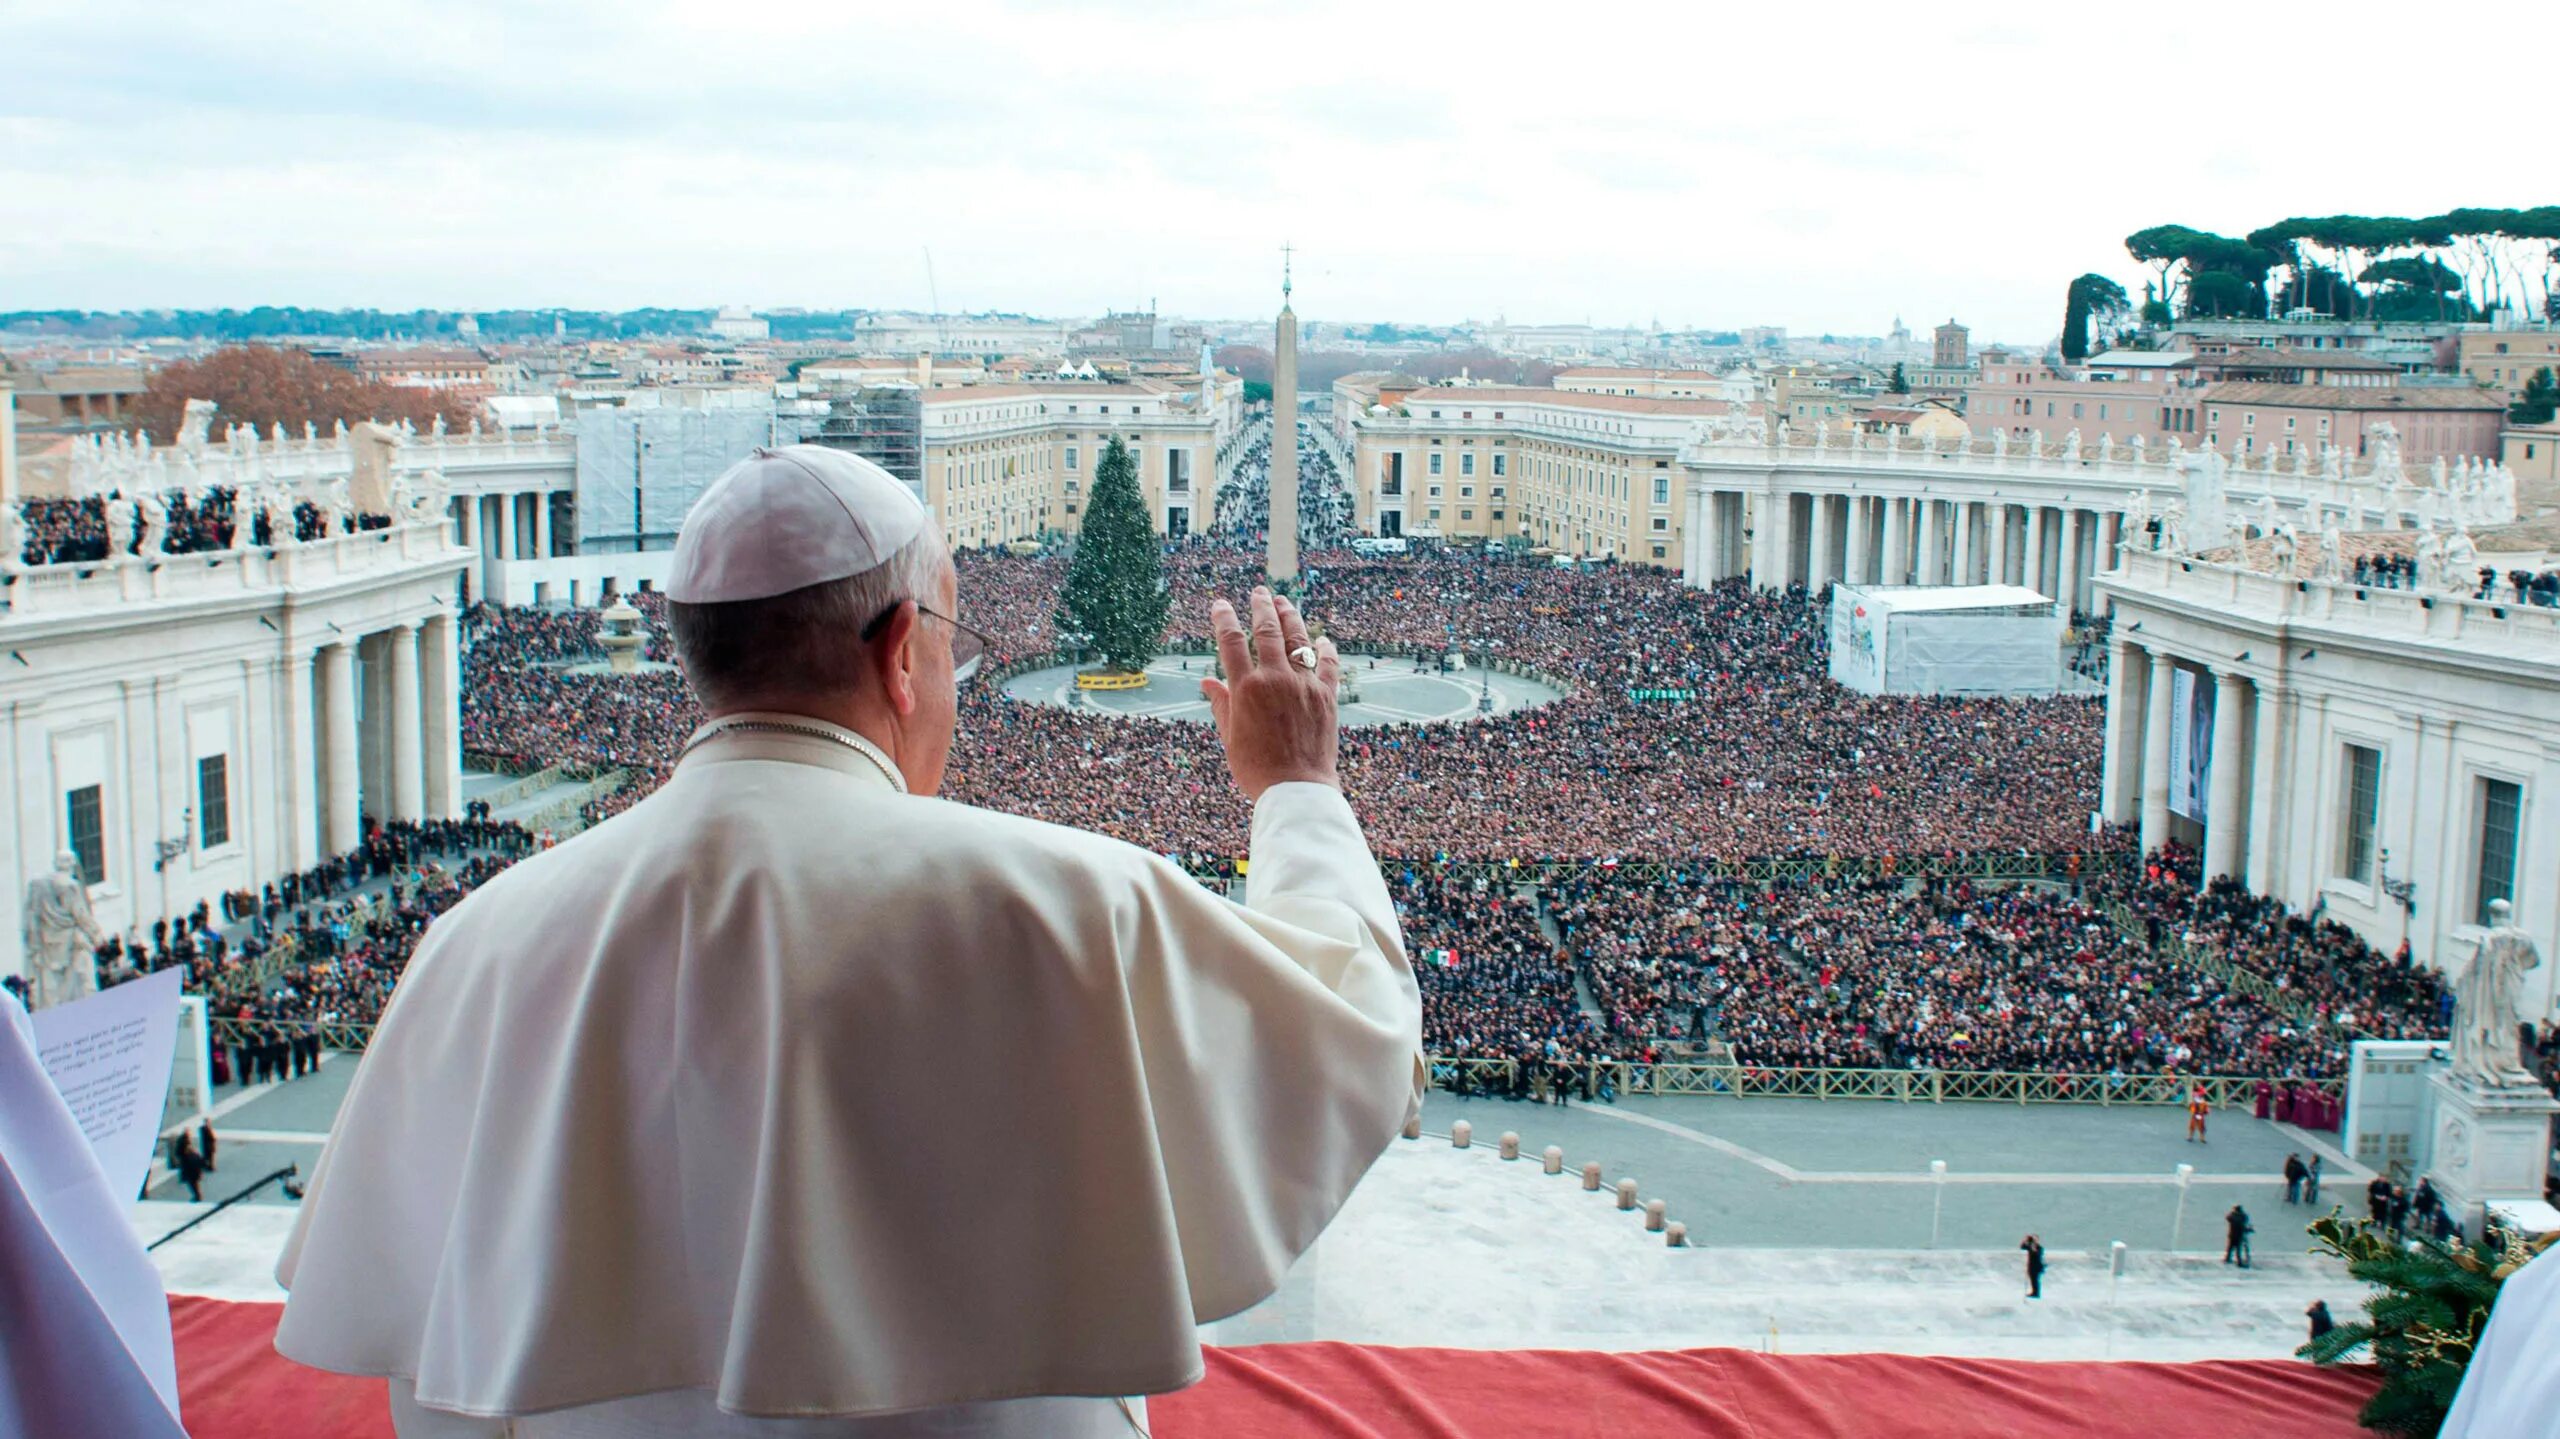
pixel 1945 640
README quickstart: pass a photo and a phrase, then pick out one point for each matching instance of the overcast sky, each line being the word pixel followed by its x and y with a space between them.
pixel 1821 167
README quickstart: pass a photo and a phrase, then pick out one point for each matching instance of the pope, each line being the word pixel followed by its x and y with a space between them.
pixel 797 1101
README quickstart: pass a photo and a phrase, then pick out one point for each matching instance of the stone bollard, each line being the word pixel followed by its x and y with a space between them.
pixel 1555 1160
pixel 1591 1176
pixel 1413 1127
pixel 1653 1217
pixel 1626 1194
pixel 1510 1145
pixel 1462 1134
pixel 1675 1235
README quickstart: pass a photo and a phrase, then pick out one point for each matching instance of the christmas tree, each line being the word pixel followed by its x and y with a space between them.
pixel 1115 591
pixel 2429 1305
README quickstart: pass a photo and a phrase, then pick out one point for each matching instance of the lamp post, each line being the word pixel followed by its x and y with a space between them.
pixel 1937 1198
pixel 2177 1226
pixel 2403 889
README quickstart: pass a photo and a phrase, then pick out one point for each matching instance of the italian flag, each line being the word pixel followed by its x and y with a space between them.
pixel 1444 958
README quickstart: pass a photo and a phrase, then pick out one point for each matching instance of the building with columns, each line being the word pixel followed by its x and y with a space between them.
pixel 2387 758
pixel 189 725
pixel 1797 507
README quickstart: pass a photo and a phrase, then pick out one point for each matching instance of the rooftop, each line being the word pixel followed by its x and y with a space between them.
pixel 2343 397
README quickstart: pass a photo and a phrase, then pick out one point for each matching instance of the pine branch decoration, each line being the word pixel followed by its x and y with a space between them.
pixel 2423 1321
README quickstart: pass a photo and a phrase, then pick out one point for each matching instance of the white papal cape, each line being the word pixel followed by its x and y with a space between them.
pixel 819 1098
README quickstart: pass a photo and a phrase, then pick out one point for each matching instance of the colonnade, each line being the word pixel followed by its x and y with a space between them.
pixel 2241 766
pixel 503 525
pixel 396 748
pixel 1816 539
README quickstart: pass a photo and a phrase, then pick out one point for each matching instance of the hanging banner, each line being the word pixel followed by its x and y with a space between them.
pixel 2190 744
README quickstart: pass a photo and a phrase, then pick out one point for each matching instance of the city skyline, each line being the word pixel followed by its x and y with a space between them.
pixel 1056 162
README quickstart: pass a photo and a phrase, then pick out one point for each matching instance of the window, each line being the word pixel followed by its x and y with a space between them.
pixel 1435 491
pixel 1466 492
pixel 213 801
pixel 1662 489
pixel 2075 409
pixel 1466 464
pixel 1499 490
pixel 1502 465
pixel 1466 514
pixel 88 831
pixel 1497 517
pixel 1435 512
pixel 1435 463
pixel 2501 811
pixel 2364 805
pixel 1662 522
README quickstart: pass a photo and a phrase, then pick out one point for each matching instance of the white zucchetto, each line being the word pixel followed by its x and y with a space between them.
pixel 784 519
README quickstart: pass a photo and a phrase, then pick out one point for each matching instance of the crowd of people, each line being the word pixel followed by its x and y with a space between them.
pixel 87 531
pixel 1620 963
pixel 319 947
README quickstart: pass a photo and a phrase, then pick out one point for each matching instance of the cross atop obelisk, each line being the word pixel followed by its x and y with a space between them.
pixel 1280 560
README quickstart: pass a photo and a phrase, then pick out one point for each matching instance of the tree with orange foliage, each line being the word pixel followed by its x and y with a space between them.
pixel 266 385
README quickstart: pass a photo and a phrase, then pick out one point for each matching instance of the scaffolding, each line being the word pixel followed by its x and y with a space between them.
pixel 885 425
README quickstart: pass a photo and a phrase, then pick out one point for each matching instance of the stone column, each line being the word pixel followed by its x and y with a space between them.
pixel 1772 533
pixel 2223 824
pixel 542 524
pixel 1817 557
pixel 1861 539
pixel 2071 561
pixel 440 659
pixel 1897 542
pixel 2035 577
pixel 2265 780
pixel 507 527
pixel 1933 544
pixel 2119 792
pixel 1964 511
pixel 301 767
pixel 2110 539
pixel 407 727
pixel 338 722
pixel 2155 755
pixel 1711 543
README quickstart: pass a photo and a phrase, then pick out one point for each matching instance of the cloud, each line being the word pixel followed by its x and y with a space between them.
pixel 1619 162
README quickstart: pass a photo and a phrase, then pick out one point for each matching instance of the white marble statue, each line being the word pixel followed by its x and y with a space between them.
pixel 2430 558
pixel 2269 516
pixel 194 426
pixel 2488 1005
pixel 2382 446
pixel 119 527
pixel 276 502
pixel 339 506
pixel 2285 551
pixel 2071 445
pixel 2172 539
pixel 2461 561
pixel 420 499
pixel 62 936
pixel 2330 564
pixel 2333 463
pixel 2206 517
pixel 2106 449
pixel 155 523
pixel 13 536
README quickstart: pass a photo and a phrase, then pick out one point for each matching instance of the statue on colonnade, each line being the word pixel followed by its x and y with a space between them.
pixel 62 935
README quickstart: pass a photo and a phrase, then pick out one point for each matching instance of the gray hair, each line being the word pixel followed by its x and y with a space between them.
pixel 800 642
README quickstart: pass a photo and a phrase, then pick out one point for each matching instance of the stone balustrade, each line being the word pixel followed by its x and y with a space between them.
pixel 2373 492
pixel 2443 615
pixel 100 465
pixel 100 584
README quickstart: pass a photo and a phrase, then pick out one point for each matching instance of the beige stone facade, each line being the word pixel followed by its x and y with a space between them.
pixel 2504 360
pixel 1583 473
pixel 1015 462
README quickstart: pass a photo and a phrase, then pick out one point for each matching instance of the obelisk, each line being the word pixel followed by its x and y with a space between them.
pixel 1282 559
